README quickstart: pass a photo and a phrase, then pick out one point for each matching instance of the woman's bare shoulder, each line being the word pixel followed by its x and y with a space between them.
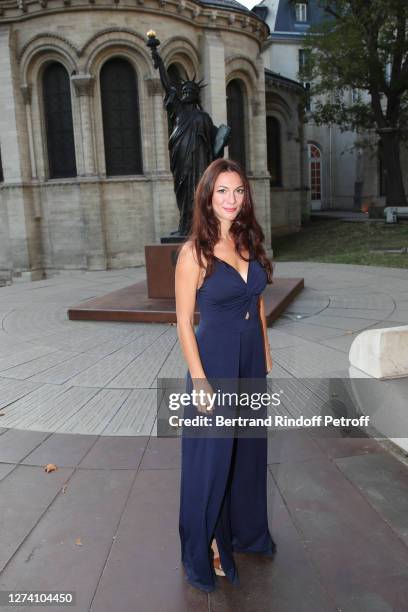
pixel 188 254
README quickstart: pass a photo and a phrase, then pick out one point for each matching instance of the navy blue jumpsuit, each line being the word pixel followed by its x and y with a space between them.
pixel 223 479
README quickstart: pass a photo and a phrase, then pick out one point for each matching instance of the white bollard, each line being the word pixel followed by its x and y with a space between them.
pixel 381 353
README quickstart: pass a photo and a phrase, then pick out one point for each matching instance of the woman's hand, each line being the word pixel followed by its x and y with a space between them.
pixel 205 398
pixel 268 359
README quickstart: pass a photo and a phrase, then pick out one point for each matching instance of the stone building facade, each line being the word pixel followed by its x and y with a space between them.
pixel 339 172
pixel 94 219
pixel 289 190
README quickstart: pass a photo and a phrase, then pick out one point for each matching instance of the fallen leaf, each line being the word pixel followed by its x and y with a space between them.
pixel 2 413
pixel 78 542
pixel 349 331
pixel 50 467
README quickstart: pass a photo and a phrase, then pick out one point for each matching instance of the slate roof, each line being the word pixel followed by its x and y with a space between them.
pixel 285 22
pixel 277 76
pixel 233 4
pixel 286 17
pixel 227 4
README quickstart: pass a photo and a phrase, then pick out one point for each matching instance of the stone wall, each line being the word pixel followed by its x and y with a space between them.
pixel 93 221
pixel 288 202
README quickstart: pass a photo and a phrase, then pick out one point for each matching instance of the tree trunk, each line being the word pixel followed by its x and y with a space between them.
pixel 390 139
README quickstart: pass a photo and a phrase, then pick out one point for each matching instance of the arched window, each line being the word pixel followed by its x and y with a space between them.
pixel 274 155
pixel 236 121
pixel 120 113
pixel 315 171
pixel 58 122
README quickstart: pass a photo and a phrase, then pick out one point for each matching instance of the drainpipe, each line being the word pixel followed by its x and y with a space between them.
pixel 330 166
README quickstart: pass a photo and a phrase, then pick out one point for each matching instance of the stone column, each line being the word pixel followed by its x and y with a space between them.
pixel 11 155
pixel 91 197
pixel 160 149
pixel 213 62
pixel 160 153
pixel 84 85
pixel 18 208
pixel 26 94
pixel 258 104
pixel 259 157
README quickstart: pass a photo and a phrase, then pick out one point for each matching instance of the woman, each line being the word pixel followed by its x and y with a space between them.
pixel 223 479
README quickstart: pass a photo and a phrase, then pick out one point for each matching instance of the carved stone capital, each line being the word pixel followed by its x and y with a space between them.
pixel 154 87
pixel 83 84
pixel 256 107
pixel 26 93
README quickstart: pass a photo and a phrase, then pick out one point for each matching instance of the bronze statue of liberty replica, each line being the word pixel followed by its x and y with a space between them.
pixel 194 140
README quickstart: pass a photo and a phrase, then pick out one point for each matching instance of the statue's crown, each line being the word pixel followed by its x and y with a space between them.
pixel 193 83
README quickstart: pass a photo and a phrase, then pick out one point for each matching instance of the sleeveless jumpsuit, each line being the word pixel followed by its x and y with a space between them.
pixel 223 479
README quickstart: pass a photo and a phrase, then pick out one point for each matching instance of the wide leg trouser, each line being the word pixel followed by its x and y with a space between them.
pixel 223 493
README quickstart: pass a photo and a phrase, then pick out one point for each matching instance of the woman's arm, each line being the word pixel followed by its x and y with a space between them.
pixel 268 356
pixel 187 277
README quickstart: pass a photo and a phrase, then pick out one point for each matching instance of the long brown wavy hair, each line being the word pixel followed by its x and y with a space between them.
pixel 245 229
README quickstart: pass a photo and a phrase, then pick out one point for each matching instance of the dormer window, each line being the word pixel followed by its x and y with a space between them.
pixel 301 11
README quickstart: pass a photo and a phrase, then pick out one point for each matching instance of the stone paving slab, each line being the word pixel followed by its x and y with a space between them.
pixel 361 561
pixel 136 416
pixel 52 556
pixel 16 444
pixel 336 447
pixel 335 321
pixel 286 583
pixel 162 454
pixel 5 469
pixel 304 364
pixel 106 369
pixel 373 314
pixel 55 412
pixel 95 415
pixel 115 453
pixel 69 368
pixel 11 390
pixel 306 330
pixel 17 412
pixel 146 553
pixel 25 495
pixel 35 366
pixel 383 481
pixel 292 446
pixel 24 354
pixel 64 450
pixel 341 343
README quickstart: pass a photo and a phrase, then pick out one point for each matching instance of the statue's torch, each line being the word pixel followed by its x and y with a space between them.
pixel 153 43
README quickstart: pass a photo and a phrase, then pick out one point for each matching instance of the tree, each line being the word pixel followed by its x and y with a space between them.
pixel 362 45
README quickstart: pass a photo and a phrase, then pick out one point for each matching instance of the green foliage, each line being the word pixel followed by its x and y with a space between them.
pixel 360 46
pixel 335 241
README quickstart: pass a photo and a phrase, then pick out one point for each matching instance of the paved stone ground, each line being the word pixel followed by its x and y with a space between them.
pixel 82 395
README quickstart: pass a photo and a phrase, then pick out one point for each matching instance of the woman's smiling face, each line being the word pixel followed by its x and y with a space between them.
pixel 228 196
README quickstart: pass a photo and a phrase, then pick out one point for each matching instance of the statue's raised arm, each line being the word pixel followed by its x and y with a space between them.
pixel 153 43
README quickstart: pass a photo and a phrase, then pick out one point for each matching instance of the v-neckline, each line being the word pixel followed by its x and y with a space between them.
pixel 237 271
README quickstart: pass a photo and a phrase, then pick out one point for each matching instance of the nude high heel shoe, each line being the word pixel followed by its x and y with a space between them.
pixel 217 567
